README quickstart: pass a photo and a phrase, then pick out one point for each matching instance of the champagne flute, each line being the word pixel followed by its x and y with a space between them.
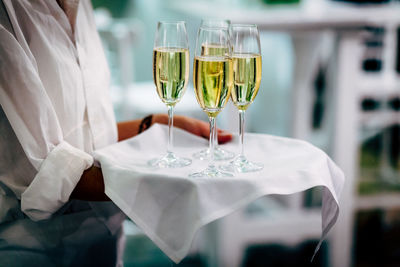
pixel 213 80
pixel 171 75
pixel 246 57
pixel 214 49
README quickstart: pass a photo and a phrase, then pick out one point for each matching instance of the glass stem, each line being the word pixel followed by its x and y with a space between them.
pixel 241 131
pixel 212 140
pixel 170 129
pixel 216 139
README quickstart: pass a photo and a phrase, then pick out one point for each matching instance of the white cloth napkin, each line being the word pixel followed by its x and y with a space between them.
pixel 170 207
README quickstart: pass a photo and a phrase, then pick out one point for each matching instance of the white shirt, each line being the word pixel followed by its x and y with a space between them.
pixel 55 108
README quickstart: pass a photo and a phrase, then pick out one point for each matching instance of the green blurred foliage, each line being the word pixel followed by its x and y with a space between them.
pixel 279 2
pixel 116 7
pixel 377 186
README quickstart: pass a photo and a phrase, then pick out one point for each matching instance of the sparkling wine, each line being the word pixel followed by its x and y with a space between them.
pixel 246 79
pixel 213 80
pixel 171 73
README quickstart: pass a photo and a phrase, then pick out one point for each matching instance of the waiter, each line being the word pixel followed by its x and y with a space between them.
pixel 55 110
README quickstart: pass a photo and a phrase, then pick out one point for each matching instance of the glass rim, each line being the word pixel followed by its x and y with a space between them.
pixel 216 19
pixel 204 27
pixel 244 25
pixel 176 46
pixel 171 22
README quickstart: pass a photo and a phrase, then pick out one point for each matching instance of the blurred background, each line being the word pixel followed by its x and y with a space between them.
pixel 331 76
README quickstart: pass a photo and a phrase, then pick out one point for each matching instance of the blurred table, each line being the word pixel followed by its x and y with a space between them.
pixel 308 15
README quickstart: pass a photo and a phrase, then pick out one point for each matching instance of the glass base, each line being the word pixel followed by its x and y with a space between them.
pixel 210 172
pixel 170 160
pixel 219 154
pixel 241 164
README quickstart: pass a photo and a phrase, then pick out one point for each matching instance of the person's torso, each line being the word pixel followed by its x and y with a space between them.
pixel 75 76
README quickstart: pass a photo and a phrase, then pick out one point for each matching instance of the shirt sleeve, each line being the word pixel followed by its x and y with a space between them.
pixel 31 114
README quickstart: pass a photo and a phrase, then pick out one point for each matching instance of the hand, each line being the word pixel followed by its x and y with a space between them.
pixel 194 126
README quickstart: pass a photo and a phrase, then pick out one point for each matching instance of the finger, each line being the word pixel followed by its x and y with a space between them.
pixel 204 129
pixel 224 136
pixel 194 126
